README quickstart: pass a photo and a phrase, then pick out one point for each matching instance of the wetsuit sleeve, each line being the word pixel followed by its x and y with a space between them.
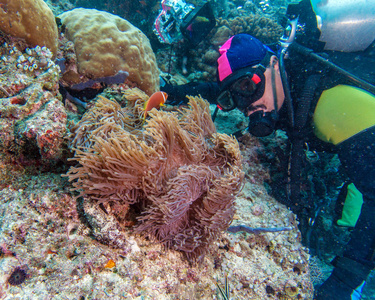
pixel 177 93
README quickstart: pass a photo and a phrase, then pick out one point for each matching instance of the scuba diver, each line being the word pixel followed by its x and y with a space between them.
pixel 293 88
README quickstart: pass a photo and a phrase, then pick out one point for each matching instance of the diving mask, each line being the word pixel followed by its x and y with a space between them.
pixel 242 89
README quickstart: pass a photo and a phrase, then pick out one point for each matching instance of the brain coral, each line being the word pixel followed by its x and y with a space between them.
pixel 174 173
pixel 31 20
pixel 105 44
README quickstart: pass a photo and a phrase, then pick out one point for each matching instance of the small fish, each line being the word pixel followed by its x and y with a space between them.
pixel 110 264
pixel 155 101
pixel 141 13
pixel 201 19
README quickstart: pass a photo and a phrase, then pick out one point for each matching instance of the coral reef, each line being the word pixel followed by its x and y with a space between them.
pixel 32 117
pixel 263 28
pixel 106 44
pixel 181 172
pixel 31 20
pixel 47 248
pixel 59 7
pixel 44 233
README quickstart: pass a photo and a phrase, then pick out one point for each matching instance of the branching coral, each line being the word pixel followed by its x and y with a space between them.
pixel 175 169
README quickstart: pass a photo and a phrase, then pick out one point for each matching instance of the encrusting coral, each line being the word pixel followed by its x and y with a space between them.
pixel 174 173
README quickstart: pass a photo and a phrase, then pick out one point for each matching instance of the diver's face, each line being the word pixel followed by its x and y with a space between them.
pixel 266 102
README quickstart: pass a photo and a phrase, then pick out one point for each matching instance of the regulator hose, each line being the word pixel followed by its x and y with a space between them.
pixel 354 79
pixel 284 80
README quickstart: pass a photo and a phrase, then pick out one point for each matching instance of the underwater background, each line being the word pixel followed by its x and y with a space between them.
pixel 91 193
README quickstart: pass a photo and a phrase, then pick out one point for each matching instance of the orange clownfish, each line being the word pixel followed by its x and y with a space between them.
pixel 155 101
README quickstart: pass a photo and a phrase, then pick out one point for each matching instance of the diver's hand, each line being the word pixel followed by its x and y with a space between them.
pixel 176 94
